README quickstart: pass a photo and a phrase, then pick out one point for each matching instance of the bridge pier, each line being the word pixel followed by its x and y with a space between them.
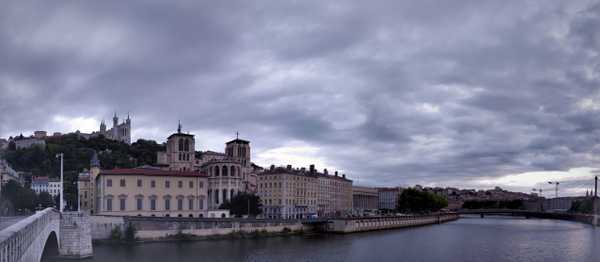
pixel 75 235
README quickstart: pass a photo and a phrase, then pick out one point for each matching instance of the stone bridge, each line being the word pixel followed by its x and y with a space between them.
pixel 47 232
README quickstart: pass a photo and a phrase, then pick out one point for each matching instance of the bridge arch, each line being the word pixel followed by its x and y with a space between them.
pixel 51 247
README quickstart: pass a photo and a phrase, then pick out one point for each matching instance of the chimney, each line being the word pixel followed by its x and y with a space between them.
pixel 303 169
pixel 336 173
pixel 289 167
pixel 344 176
pixel 312 168
pixel 325 171
pixel 272 167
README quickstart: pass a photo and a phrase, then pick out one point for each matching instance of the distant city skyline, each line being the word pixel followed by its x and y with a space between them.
pixel 464 94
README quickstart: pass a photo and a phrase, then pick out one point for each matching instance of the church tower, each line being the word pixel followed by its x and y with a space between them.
pixel 102 127
pixel 239 149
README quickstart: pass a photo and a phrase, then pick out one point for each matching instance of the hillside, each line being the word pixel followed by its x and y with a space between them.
pixel 78 152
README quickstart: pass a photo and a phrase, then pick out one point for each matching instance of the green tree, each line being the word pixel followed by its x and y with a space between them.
pixel 44 200
pixel 415 201
pixel 21 198
pixel 238 205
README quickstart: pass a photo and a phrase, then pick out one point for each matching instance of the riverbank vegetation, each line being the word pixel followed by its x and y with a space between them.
pixel 415 201
pixel 243 204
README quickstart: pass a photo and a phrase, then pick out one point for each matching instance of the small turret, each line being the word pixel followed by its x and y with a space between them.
pixel 102 126
pixel 115 120
pixel 179 127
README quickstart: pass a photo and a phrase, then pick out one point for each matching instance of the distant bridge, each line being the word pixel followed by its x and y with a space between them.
pixel 584 218
pixel 67 234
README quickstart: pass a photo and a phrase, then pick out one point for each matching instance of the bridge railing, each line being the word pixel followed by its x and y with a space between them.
pixel 16 239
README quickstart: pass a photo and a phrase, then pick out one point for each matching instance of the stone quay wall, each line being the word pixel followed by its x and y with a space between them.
pixel 153 229
pixel 352 225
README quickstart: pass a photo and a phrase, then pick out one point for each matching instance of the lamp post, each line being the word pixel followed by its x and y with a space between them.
pixel 555 183
pixel 62 193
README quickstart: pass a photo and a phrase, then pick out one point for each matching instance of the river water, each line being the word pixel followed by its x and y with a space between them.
pixel 468 239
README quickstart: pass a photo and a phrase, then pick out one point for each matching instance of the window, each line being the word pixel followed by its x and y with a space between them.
pixel 180 146
pixel 109 204
pixel 140 203
pixel 122 182
pixel 180 204
pixel 232 171
pixel 201 184
pixel 167 184
pixel 167 204
pixel 191 183
pixel 139 183
pixel 217 171
pixel 152 183
pixel 180 184
pixel 122 204
pixel 191 204
pixel 109 182
pixel 153 204
pixel 201 203
pixel 224 171
pixel 84 194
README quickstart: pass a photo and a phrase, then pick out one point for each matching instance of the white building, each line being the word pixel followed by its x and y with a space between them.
pixel 39 184
pixel 7 173
pixel 54 187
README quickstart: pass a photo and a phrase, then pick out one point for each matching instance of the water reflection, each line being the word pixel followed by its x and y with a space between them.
pixel 468 239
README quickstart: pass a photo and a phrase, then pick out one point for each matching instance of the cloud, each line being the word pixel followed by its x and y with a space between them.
pixel 391 92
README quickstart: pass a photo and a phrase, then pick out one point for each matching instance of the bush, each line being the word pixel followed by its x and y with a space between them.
pixel 130 233
pixel 116 234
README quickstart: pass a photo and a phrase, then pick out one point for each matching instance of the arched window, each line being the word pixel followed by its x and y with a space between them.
pixel 187 145
pixel 224 171
pixel 216 170
pixel 238 171
pixel 210 171
pixel 232 171
pixel 224 195
pixel 231 194
pixel 180 144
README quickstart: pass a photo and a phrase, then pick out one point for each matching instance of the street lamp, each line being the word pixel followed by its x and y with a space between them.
pixel 555 183
pixel 62 193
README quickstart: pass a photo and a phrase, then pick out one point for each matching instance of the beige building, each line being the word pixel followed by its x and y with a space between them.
pixel 364 198
pixel 86 186
pixel 297 193
pixel 151 192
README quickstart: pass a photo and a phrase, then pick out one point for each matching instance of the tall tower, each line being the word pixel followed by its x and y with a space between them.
pixel 115 120
pixel 102 127
pixel 239 149
pixel 181 151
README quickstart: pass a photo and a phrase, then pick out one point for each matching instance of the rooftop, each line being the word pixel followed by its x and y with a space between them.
pixel 238 141
pixel 151 172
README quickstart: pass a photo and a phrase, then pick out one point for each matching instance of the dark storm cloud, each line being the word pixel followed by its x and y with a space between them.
pixel 391 92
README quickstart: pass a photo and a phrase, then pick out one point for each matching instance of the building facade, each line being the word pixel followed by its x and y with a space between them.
pixel 118 132
pixel 289 193
pixel 364 199
pixel 86 186
pixel 151 192
pixel 388 197
pixel 27 142
pixel 8 174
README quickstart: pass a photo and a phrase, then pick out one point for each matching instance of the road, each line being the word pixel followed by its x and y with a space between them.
pixel 7 221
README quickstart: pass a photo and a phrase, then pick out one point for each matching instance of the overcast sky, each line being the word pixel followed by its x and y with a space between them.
pixel 472 94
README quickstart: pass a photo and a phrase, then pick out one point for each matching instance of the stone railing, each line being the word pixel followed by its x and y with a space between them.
pixel 16 240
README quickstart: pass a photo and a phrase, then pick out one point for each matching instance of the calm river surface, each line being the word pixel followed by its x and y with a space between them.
pixel 468 239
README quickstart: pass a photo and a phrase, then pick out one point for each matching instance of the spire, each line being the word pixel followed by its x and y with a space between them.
pixel 237 135
pixel 179 127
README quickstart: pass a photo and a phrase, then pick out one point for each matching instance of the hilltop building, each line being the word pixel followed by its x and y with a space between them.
pixel 118 132
pixel 7 173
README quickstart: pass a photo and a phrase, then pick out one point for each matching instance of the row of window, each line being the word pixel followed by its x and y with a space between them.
pixel 224 171
pixel 123 183
pixel 152 203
